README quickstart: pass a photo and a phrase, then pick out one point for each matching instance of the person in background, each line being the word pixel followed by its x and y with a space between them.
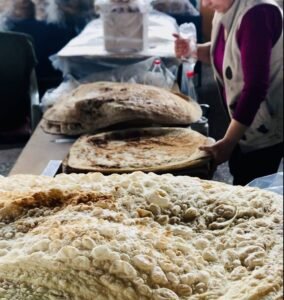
pixel 73 15
pixel 3 4
pixel 40 9
pixel 18 10
pixel 246 54
pixel 48 39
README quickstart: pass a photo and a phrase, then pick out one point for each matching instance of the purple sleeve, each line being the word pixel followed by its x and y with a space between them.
pixel 260 29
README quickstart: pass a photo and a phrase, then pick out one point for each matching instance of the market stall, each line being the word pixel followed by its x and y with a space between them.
pixel 112 197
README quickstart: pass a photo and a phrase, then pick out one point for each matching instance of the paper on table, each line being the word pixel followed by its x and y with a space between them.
pixel 52 168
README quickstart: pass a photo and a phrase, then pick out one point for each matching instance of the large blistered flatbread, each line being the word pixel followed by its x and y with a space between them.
pixel 102 104
pixel 138 236
pixel 157 149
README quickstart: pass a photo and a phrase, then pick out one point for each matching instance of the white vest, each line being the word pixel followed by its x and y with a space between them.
pixel 267 127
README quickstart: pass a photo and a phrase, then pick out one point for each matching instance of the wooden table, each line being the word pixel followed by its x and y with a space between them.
pixel 40 149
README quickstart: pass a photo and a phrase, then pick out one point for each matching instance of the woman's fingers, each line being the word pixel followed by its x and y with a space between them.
pixel 206 148
pixel 181 46
pixel 209 149
pixel 219 151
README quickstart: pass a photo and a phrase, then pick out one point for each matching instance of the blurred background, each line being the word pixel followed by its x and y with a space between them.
pixel 51 24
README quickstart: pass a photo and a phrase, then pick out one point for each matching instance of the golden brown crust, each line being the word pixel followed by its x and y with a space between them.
pixel 138 149
pixel 138 236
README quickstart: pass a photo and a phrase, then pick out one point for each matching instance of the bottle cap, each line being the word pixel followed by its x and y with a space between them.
pixel 190 74
pixel 157 61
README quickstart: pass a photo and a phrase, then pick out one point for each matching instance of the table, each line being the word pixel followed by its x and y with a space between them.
pixel 37 153
pixel 90 42
pixel 85 54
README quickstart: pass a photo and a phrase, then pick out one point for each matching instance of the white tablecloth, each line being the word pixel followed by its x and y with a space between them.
pixel 91 43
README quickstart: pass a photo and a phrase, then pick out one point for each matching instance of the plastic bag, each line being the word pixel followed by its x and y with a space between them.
pixel 134 73
pixel 52 95
pixel 272 183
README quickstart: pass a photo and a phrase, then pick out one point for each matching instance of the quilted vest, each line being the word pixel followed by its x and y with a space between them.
pixel 267 127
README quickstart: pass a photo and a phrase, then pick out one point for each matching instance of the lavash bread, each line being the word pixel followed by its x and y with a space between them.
pixel 99 105
pixel 138 236
pixel 157 149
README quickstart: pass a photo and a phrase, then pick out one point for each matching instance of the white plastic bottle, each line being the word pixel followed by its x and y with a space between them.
pixel 156 75
pixel 191 92
pixel 188 31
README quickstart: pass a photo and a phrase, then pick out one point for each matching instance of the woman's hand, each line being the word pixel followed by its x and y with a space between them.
pixel 220 151
pixel 182 48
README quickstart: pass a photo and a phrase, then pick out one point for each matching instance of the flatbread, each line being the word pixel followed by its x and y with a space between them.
pixel 157 149
pixel 62 128
pixel 138 236
pixel 102 104
pixel 62 118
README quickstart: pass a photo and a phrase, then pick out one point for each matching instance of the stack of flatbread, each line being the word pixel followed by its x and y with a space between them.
pixel 138 237
pixel 160 149
pixel 99 105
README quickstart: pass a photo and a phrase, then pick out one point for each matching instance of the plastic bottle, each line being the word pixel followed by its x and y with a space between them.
pixel 156 75
pixel 191 92
pixel 188 31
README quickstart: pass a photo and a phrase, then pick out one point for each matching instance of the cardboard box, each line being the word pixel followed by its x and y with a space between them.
pixel 125 31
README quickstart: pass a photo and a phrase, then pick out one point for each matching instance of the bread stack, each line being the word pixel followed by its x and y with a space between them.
pixel 98 105
pixel 158 148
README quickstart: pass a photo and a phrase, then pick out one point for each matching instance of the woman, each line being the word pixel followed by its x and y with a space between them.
pixel 246 53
